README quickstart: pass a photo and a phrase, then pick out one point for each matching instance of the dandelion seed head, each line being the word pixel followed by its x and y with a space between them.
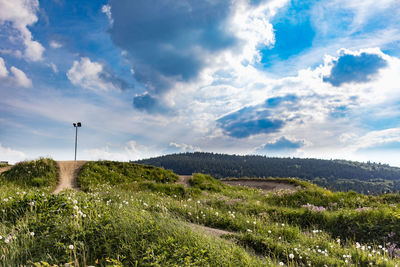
pixel 71 247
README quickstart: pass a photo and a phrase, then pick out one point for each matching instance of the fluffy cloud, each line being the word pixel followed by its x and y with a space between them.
pixel 184 147
pixel 172 43
pixel 18 77
pixel 131 151
pixel 16 16
pixel 11 155
pixel 355 68
pixel 94 76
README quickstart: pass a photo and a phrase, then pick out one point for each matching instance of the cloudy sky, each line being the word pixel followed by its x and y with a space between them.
pixel 310 78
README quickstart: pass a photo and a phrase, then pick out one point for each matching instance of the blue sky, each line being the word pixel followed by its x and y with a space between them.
pixel 149 77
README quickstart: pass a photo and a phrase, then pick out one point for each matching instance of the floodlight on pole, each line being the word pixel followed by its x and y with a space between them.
pixel 76 125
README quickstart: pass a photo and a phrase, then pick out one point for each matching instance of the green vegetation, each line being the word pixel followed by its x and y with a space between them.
pixel 3 165
pixel 38 173
pixel 150 222
pixel 205 182
pixel 337 175
pixel 113 173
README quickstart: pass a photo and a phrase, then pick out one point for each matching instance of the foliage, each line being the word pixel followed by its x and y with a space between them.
pixel 144 222
pixel 112 172
pixel 338 175
pixel 39 173
pixel 205 182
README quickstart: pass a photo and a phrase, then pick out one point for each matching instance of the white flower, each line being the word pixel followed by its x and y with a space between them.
pixel 281 264
pixel 75 201
pixel 32 233
pixel 71 247
pixel 216 213
pixel 76 207
pixel 291 256
pixel 6 240
pixel 269 231
pixel 1 237
pixel 248 230
pixel 254 222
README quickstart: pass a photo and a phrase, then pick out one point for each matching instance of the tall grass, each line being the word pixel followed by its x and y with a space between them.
pixel 140 221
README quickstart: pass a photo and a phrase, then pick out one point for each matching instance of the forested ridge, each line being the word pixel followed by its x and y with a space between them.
pixel 335 174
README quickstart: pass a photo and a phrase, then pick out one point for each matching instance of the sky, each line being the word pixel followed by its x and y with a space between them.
pixel 309 79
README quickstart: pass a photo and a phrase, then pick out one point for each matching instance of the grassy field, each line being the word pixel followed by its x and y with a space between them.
pixel 135 215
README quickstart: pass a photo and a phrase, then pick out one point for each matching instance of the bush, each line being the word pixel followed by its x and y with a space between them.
pixel 206 182
pixel 38 173
pixel 113 173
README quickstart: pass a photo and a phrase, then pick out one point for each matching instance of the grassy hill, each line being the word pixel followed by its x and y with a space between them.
pixel 338 175
pixel 135 215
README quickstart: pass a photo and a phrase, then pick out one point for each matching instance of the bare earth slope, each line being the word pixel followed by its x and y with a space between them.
pixel 68 172
pixel 4 169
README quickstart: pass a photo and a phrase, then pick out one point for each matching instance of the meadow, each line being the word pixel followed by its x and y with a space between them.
pixel 135 215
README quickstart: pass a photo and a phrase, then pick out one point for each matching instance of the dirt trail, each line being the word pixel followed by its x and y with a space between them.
pixel 184 179
pixel 208 230
pixel 68 172
pixel 4 169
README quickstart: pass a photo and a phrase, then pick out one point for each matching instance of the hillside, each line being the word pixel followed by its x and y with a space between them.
pixel 136 215
pixel 339 175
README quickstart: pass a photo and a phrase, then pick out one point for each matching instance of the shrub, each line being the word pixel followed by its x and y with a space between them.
pixel 38 173
pixel 206 182
pixel 113 173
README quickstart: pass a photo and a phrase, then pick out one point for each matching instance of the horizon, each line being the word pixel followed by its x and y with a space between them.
pixel 276 78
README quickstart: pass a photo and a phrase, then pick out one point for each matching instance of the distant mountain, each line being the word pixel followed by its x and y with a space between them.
pixel 339 175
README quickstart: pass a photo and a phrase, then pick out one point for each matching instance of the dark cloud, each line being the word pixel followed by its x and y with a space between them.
pixel 168 40
pixel 149 104
pixel 351 68
pixel 282 144
pixel 249 121
pixel 276 101
pixel 114 79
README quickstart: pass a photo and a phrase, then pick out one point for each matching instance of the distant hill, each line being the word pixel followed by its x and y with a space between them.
pixel 337 175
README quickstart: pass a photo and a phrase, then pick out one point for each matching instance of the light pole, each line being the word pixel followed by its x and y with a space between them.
pixel 76 125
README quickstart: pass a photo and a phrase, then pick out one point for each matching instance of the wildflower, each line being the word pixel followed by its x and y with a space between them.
pixel 75 201
pixel 269 231
pixel 1 237
pixel 281 264
pixel 248 230
pixel 291 256
pixel 76 207
pixel 248 221
pixel 71 247
pixel 254 222
pixel 6 240
pixel 32 233
pixel 198 201
pixel 216 213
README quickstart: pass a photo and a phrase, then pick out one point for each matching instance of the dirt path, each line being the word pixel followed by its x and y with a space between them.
pixel 184 179
pixel 4 169
pixel 262 184
pixel 68 172
pixel 209 230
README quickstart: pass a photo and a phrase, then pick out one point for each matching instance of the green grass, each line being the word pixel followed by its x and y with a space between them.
pixel 146 221
pixel 4 165
pixel 37 173
pixel 113 173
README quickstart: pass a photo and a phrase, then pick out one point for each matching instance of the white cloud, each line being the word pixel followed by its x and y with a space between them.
pixel 21 14
pixel 3 69
pixel 18 77
pixel 106 9
pixel 131 151
pixel 11 155
pixel 55 44
pixel 185 147
pixel 88 74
